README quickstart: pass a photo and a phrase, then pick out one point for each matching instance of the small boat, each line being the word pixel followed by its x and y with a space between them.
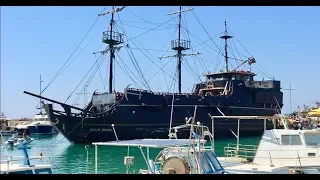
pixel 40 125
pixel 280 151
pixel 10 165
pixel 6 132
pixel 5 129
pixel 15 141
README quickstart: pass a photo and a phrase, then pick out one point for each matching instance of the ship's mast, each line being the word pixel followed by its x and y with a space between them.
pixel 226 37
pixel 111 53
pixel 112 38
pixel 179 53
pixel 179 45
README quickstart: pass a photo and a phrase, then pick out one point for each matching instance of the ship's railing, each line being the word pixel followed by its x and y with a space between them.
pixel 13 159
pixel 259 84
pixel 159 93
pixel 168 93
pixel 115 37
pixel 242 151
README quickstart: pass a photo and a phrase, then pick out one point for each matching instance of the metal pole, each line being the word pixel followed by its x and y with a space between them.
pixel 87 158
pixel 212 126
pixel 265 125
pixel 238 135
pixel 96 158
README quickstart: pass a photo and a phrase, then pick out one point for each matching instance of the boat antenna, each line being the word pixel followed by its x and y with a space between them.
pixel 40 104
pixel 180 45
pixel 112 38
pixel 290 89
pixel 226 37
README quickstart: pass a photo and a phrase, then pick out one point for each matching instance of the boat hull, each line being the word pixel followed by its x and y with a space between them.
pixel 6 133
pixel 42 129
pixel 145 122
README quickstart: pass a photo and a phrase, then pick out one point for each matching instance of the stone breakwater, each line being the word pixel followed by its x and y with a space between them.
pixel 13 123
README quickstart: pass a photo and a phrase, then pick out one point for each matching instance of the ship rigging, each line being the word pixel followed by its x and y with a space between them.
pixel 145 112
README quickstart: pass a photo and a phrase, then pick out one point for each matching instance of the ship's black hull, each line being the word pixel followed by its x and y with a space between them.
pixel 143 114
pixel 101 133
pixel 133 121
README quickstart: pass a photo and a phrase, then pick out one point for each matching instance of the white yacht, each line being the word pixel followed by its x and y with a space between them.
pixel 40 125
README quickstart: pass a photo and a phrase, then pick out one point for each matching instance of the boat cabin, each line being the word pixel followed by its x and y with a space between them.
pixel 222 83
pixel 282 147
pixel 40 117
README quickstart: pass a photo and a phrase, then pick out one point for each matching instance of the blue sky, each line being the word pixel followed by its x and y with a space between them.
pixel 38 40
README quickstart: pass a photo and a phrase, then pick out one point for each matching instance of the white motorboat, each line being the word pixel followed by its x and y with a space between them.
pixel 280 151
pixel 40 125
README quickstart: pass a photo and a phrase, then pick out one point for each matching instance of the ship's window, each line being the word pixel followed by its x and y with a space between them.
pixel 312 139
pixel 233 77
pixel 291 140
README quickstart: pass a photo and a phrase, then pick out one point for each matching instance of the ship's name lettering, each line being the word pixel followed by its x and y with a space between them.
pixel 101 129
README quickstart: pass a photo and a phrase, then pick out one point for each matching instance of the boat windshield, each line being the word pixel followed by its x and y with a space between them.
pixel 40 119
pixel 312 139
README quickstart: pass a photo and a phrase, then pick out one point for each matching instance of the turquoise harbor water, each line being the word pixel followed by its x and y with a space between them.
pixel 69 158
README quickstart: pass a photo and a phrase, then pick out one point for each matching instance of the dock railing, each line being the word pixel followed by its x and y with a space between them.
pixel 243 151
pixel 9 160
pixel 238 118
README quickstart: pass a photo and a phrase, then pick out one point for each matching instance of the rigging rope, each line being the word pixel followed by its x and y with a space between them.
pixel 58 73
pixel 133 59
pixel 171 114
pixel 266 72
pixel 81 80
pixel 205 30
pixel 92 75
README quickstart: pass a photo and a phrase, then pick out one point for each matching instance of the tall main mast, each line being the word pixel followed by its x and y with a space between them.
pixel 179 45
pixel 226 37
pixel 112 38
